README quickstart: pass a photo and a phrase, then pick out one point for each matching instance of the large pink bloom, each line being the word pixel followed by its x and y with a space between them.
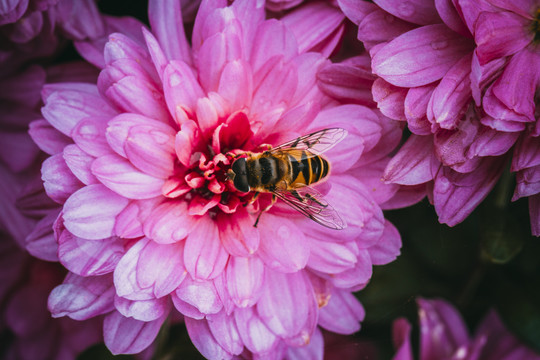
pixel 149 221
pixel 444 335
pixel 432 77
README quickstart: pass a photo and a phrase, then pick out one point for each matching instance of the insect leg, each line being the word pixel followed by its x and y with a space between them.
pixel 265 209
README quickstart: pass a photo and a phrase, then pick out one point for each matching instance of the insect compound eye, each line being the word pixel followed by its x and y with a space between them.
pixel 240 175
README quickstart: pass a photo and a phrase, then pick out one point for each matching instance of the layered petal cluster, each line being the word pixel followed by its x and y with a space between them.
pixel 34 29
pixel 443 69
pixel 444 335
pixel 150 223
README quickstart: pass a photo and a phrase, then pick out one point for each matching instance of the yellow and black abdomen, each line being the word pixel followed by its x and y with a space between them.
pixel 306 168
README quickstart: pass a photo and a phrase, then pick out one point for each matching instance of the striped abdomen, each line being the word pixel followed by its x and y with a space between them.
pixel 306 168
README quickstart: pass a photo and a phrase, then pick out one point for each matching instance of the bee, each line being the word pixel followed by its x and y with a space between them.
pixel 287 171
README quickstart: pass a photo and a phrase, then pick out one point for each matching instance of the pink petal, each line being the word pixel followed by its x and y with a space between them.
pixel 401 336
pixel 169 222
pixel 332 257
pixel 80 20
pixel 499 116
pixel 499 34
pixel 355 10
pixel 12 11
pixel 406 196
pixel 68 103
pixel 285 301
pixel 379 27
pixel 201 295
pixel 490 142
pixel 204 256
pixel 128 224
pixel 371 176
pixel 414 162
pixel 356 277
pixel 79 163
pixel 390 99
pixel 456 195
pixel 47 138
pixel 128 336
pixel 388 247
pixel 245 278
pixel 283 246
pixel 186 141
pixel 151 149
pixel 204 341
pixel 90 212
pixel 273 39
pixel 420 56
pixel 314 350
pixel 526 153
pixel 236 84
pixel 452 95
pixel 88 257
pixel 451 331
pixel 343 313
pixel 58 180
pixel 515 87
pixel 312 24
pixel 89 135
pixel 169 31
pixel 161 267
pixel 534 211
pixel 156 52
pixel 143 310
pixel 223 328
pixel 451 17
pixel 416 11
pixel 483 75
pixel 81 298
pixel 256 336
pixel 415 104
pixel 181 88
pixel 237 233
pixel 123 178
pixel 41 242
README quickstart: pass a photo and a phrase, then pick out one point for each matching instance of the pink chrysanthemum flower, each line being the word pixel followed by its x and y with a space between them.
pixel 444 335
pixel 149 220
pixel 432 76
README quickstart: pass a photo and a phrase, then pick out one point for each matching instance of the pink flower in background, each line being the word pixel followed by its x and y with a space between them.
pixel 444 335
pixel 432 76
pixel 26 284
pixel 150 223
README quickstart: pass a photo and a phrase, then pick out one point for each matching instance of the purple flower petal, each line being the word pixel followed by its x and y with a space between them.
pixel 143 310
pixel 237 233
pixel 12 10
pixel 128 224
pixel 253 332
pixel 88 257
pixel 89 213
pixel 81 298
pixel 499 34
pixel 416 11
pixel 68 103
pixel 526 153
pixel 451 17
pixel 401 336
pixel 534 213
pixel 283 246
pixel 123 178
pixel 41 242
pixel 414 163
pixel 223 328
pixel 331 257
pixel 79 163
pixel 163 16
pixel 390 99
pixel 381 27
pixel 245 279
pixel 201 295
pixel 124 335
pixel 388 247
pixel 58 180
pixel 89 135
pixel 343 313
pixel 181 88
pixel 285 302
pixel 356 277
pixel 169 222
pixel 456 195
pixel 204 255
pixel 47 138
pixel 204 341
pixel 420 56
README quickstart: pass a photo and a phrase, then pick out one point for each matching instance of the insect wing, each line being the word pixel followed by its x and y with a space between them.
pixel 311 203
pixel 317 142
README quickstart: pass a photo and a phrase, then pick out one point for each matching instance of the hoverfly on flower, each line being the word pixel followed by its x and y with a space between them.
pixel 287 170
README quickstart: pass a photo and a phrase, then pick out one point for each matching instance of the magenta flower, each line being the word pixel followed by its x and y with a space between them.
pixel 432 76
pixel 149 221
pixel 444 335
